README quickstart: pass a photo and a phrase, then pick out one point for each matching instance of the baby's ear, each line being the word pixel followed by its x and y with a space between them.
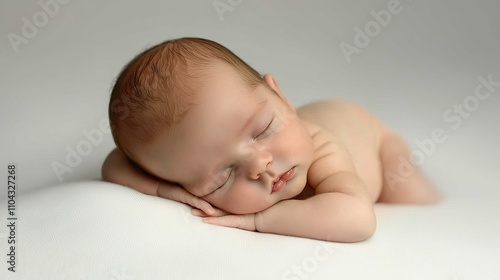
pixel 273 84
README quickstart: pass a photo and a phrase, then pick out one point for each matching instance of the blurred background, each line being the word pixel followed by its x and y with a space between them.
pixel 421 66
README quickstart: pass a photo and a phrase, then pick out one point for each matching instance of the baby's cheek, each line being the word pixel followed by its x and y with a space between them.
pixel 244 200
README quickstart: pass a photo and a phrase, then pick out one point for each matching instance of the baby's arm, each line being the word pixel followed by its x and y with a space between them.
pixel 118 169
pixel 341 209
pixel 332 215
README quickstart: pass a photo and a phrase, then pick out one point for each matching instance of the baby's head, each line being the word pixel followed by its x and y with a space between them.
pixel 190 112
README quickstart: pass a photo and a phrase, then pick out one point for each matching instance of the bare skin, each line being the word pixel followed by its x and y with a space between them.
pixel 376 151
pixel 227 164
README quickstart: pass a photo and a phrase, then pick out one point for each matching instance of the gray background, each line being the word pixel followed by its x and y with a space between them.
pixel 428 58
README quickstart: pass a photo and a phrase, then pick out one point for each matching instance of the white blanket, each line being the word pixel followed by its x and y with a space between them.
pixel 420 66
pixel 98 230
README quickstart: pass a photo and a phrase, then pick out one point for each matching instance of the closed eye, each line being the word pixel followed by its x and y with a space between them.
pixel 265 133
pixel 229 171
pixel 268 130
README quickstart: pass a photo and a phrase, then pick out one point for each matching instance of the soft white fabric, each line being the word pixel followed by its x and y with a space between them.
pixel 414 73
pixel 98 230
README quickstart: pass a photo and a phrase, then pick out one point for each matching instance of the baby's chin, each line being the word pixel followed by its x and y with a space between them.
pixel 251 207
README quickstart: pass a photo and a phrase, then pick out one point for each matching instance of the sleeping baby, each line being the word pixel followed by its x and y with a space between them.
pixel 194 123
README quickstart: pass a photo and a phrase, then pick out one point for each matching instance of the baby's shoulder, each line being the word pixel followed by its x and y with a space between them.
pixel 343 122
pixel 330 154
pixel 334 111
pixel 324 120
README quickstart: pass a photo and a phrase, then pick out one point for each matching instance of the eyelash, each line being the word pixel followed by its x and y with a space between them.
pixel 231 169
pixel 266 132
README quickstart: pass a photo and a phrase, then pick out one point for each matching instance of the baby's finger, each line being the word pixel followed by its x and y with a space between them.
pixel 202 205
pixel 219 213
pixel 245 222
pixel 199 213
pixel 177 193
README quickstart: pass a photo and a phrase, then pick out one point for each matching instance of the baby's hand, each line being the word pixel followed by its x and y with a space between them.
pixel 216 212
pixel 225 219
pixel 179 194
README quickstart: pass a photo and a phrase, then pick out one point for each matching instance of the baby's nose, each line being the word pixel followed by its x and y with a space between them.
pixel 259 164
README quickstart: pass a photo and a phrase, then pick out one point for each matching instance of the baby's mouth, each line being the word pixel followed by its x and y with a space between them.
pixel 280 183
